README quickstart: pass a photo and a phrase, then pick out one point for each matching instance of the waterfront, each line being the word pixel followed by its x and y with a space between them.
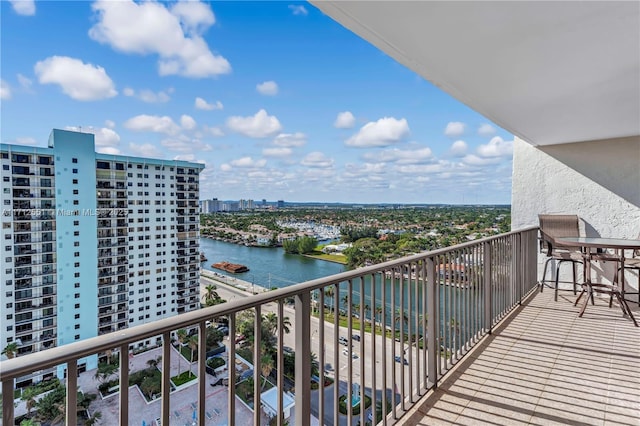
pixel 268 267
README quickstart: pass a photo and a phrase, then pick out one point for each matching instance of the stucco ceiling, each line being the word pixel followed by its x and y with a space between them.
pixel 549 72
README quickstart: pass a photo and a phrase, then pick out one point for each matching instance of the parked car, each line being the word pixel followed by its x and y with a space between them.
pixel 356 337
pixel 343 340
pixel 223 329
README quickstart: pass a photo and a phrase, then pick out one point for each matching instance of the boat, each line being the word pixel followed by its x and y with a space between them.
pixel 234 268
pixel 203 258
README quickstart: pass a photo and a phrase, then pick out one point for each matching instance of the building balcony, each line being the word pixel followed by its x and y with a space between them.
pixel 481 346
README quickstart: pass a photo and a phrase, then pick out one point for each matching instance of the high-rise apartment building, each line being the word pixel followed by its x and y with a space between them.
pixel 92 243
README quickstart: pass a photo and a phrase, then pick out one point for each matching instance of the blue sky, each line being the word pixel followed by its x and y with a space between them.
pixel 277 99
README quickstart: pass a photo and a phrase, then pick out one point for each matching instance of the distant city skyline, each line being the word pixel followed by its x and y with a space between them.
pixel 275 98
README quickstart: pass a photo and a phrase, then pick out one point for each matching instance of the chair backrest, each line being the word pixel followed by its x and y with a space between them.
pixel 558 226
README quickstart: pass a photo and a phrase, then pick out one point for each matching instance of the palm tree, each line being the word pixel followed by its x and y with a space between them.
pixel 28 395
pixel 266 366
pixel 182 337
pixel 192 341
pixel 210 295
pixel 10 350
pixel 330 292
pixel 93 419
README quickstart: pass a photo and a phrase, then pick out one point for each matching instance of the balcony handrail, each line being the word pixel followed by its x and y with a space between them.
pixel 15 367
pixel 501 273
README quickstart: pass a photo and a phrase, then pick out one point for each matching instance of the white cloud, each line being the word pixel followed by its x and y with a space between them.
pixel 345 120
pixel 204 105
pixel 5 90
pixel 150 28
pixel 185 144
pixel 400 156
pixel 459 148
pixel 225 167
pixel 25 82
pixel 297 9
pixel 148 96
pixel 213 131
pixel 248 163
pixel 195 16
pixel 260 125
pixel 187 122
pixel 455 129
pixel 474 160
pixel 110 124
pixel 27 141
pixel 289 140
pixel 277 152
pixel 384 132
pixel 496 148
pixel 486 130
pixel 80 81
pixel 317 160
pixel 152 123
pixel 145 150
pixel 108 150
pixel 24 7
pixel 104 137
pixel 268 88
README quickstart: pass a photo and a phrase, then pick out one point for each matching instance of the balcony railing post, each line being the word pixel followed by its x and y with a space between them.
pixel 488 293
pixel 432 323
pixel 202 370
pixel 72 392
pixel 166 376
pixel 7 401
pixel 124 384
pixel 518 272
pixel 303 359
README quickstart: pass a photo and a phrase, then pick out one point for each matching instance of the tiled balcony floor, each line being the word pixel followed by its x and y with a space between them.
pixel 545 366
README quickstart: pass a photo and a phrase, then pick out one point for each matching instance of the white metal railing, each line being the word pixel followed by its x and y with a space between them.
pixel 417 317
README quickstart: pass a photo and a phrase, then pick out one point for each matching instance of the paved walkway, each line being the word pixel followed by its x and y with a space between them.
pixel 183 402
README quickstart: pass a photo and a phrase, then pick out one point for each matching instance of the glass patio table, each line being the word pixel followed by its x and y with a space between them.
pixel 617 289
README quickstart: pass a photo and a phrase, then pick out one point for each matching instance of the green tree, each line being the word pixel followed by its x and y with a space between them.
pixel 105 371
pixel 210 295
pixel 29 397
pixel 181 335
pixel 192 342
pixel 266 366
pixel 10 350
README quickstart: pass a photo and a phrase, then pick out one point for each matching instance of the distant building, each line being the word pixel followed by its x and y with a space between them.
pixel 246 205
pixel 93 243
pixel 280 204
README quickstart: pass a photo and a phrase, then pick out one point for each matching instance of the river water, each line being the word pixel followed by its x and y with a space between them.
pixel 268 267
pixel 272 267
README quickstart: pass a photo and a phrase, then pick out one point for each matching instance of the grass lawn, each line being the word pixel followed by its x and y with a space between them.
pixel 336 258
pixel 183 378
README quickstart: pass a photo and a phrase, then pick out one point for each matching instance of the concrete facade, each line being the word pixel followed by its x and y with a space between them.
pixel 597 180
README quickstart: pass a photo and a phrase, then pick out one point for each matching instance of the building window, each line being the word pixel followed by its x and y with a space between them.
pixel 77 306
pixel 76 275
pixel 76 265
pixel 76 222
pixel 75 202
pixel 75 181
pixel 74 160
pixel 76 316
pixel 76 233
pixel 75 171
pixel 76 254
pixel 76 243
pixel 77 337
pixel 75 192
pixel 77 326
pixel 76 285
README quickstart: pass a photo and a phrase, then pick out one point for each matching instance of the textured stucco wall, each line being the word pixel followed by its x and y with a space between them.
pixel 597 180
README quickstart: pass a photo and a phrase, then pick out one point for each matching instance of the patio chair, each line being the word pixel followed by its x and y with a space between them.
pixel 559 226
pixel 632 263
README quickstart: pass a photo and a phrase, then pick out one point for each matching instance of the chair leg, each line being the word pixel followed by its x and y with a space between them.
pixel 544 275
pixel 625 307
pixel 586 302
pixel 555 295
pixel 575 281
pixel 580 296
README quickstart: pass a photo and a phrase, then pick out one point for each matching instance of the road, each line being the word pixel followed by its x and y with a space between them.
pixel 342 363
